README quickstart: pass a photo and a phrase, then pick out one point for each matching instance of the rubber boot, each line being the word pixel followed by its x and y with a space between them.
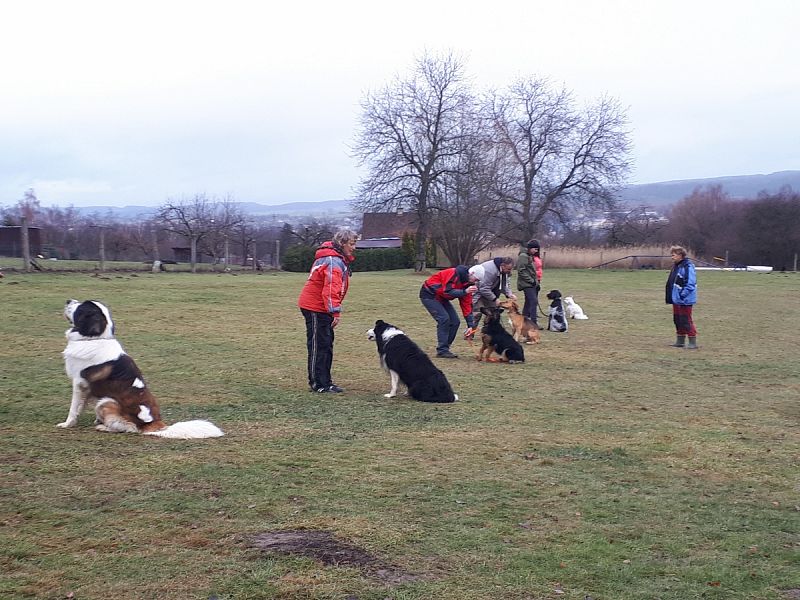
pixel 679 341
pixel 692 343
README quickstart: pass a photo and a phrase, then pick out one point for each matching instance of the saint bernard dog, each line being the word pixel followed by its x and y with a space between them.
pixel 407 363
pixel 101 372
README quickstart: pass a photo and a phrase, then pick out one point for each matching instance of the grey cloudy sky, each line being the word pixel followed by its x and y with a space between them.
pixel 112 103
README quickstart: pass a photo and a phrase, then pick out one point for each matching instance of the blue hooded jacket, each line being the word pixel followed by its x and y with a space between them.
pixel 682 284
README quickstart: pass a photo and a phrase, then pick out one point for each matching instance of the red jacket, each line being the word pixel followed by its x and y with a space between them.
pixel 537 263
pixel 449 284
pixel 327 282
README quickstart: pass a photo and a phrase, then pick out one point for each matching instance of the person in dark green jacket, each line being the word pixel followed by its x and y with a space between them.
pixel 529 277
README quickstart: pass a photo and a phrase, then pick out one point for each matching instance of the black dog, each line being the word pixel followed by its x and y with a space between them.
pixel 496 338
pixel 557 320
pixel 406 362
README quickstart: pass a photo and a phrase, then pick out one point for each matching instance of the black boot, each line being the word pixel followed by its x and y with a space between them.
pixel 692 343
pixel 680 341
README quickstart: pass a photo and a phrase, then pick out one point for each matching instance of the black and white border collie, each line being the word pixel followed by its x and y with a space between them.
pixel 101 372
pixel 557 320
pixel 407 363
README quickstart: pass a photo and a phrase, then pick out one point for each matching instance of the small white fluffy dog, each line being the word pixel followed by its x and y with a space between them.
pixel 573 309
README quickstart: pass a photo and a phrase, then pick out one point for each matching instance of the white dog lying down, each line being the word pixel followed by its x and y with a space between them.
pixel 573 309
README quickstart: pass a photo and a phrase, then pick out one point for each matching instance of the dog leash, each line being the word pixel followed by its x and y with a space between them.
pixel 541 312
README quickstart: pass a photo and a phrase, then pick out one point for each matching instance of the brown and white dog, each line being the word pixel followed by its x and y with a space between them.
pixel 522 328
pixel 102 372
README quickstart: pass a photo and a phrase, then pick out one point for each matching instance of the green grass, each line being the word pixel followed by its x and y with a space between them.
pixel 608 465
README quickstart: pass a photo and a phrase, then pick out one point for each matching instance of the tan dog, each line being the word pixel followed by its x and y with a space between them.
pixel 521 326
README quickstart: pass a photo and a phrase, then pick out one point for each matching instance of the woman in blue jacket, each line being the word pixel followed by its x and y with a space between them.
pixel 682 294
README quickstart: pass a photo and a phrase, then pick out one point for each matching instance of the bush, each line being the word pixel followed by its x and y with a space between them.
pixel 298 259
pixel 381 259
pixel 409 249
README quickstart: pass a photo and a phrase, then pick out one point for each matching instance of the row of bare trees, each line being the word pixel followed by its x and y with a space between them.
pixel 212 227
pixel 478 166
pixel 764 230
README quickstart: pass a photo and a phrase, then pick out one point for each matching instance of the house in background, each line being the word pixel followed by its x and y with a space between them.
pixel 11 240
pixel 386 229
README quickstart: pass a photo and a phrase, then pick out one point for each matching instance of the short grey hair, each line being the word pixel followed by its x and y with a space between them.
pixel 678 250
pixel 343 236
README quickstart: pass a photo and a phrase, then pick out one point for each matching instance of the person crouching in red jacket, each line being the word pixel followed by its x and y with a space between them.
pixel 436 294
pixel 320 302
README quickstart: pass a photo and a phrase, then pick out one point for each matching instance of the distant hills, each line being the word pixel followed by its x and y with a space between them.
pixel 655 195
pixel 738 187
pixel 288 211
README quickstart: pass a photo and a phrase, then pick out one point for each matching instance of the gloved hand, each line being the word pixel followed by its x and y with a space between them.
pixel 469 333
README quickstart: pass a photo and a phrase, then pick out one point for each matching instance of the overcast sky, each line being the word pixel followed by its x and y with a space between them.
pixel 111 103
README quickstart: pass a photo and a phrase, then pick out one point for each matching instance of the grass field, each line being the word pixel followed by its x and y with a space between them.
pixel 609 465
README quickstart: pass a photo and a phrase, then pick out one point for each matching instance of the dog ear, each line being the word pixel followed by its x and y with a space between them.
pixel 378 323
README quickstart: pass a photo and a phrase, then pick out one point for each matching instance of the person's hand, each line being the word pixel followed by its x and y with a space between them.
pixel 512 296
pixel 472 289
pixel 335 321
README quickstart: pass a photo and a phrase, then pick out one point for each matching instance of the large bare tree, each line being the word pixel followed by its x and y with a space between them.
pixel 558 157
pixel 410 131
pixel 198 218
pixel 464 208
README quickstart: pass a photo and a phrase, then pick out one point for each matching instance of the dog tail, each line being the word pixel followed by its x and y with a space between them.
pixel 433 389
pixel 189 430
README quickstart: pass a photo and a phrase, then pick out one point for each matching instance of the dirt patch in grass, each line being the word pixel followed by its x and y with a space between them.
pixel 331 551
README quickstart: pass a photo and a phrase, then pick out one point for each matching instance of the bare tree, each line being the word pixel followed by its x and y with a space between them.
pixel 312 233
pixel 410 131
pixel 557 158
pixel 144 239
pixel 463 206
pixel 635 227
pixel 27 208
pixel 245 234
pixel 225 216
pixel 702 218
pixel 768 232
pixel 192 219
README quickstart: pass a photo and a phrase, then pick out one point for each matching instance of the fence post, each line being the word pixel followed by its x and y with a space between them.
pixel 102 249
pixel 26 247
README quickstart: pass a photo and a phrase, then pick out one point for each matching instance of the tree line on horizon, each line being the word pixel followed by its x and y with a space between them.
pixel 760 230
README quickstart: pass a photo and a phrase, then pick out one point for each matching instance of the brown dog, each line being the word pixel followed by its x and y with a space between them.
pixel 522 328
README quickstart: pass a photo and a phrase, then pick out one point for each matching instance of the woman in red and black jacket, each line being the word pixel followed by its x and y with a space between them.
pixel 436 294
pixel 320 302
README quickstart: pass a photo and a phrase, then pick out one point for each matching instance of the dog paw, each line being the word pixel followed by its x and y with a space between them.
pixel 389 395
pixel 102 427
pixel 65 425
